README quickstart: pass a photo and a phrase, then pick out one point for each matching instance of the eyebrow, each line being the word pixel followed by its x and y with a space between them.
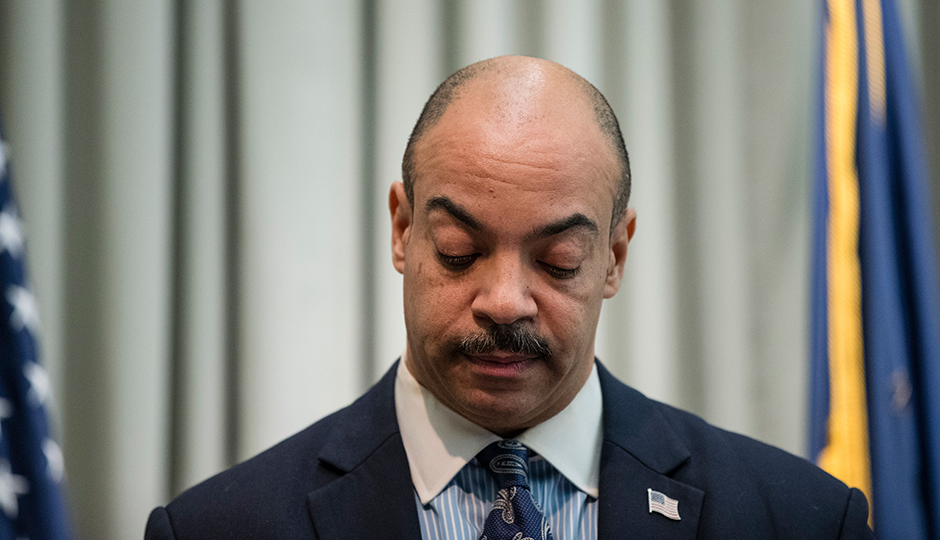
pixel 574 221
pixel 458 213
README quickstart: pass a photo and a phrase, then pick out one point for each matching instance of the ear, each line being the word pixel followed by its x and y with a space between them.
pixel 619 239
pixel 400 210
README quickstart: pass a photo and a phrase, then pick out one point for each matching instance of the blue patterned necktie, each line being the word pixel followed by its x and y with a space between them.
pixel 515 515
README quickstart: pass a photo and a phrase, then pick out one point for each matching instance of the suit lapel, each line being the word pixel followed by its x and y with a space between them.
pixel 376 500
pixel 624 500
pixel 641 452
pixel 372 496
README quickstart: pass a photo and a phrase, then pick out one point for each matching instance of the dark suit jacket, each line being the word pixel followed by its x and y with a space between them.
pixel 347 477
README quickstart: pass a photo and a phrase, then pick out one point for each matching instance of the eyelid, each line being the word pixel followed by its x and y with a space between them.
pixel 457 262
pixel 558 272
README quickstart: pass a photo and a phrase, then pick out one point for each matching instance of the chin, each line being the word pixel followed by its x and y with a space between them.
pixel 493 412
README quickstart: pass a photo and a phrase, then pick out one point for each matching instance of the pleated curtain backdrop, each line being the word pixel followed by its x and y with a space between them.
pixel 204 185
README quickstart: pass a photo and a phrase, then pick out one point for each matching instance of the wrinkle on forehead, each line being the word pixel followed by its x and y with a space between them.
pixel 497 158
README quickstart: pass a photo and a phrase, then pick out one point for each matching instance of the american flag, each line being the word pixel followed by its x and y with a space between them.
pixel 32 506
pixel 663 505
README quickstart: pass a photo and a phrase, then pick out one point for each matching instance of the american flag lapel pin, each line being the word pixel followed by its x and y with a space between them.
pixel 662 504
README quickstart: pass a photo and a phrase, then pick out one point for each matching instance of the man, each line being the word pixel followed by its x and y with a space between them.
pixel 510 228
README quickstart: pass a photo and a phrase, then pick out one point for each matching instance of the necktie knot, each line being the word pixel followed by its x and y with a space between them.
pixel 515 515
pixel 508 462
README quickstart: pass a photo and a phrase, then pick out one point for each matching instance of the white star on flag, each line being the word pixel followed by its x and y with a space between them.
pixel 55 459
pixel 39 387
pixel 6 411
pixel 25 313
pixel 11 232
pixel 11 487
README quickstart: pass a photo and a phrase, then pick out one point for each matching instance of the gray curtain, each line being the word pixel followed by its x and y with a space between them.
pixel 204 185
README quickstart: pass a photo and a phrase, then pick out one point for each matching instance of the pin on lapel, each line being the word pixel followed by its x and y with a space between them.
pixel 662 504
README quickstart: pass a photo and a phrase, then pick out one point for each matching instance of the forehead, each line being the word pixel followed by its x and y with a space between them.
pixel 533 146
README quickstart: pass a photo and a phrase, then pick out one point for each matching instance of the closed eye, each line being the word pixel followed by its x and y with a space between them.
pixel 457 262
pixel 558 272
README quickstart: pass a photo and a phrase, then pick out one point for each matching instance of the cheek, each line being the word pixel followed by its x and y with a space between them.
pixel 566 317
pixel 571 312
pixel 434 303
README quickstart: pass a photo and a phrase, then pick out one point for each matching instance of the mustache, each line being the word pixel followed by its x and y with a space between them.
pixel 514 338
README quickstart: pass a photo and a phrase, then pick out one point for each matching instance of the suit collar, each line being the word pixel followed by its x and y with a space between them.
pixel 641 452
pixel 372 496
pixel 368 422
pixel 634 423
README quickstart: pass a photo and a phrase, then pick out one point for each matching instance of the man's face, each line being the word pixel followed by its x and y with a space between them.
pixel 507 255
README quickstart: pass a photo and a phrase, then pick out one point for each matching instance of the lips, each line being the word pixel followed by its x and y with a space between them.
pixel 501 357
pixel 501 364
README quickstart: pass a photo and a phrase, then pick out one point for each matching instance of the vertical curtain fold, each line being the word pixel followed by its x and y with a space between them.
pixel 299 187
pixel 200 333
pixel 118 181
pixel 649 350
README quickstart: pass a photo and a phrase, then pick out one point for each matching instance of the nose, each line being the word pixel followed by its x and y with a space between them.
pixel 505 295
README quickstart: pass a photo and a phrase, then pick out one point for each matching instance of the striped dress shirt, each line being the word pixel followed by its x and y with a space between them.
pixel 454 494
pixel 459 511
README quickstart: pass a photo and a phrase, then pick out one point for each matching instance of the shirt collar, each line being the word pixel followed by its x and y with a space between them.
pixel 439 442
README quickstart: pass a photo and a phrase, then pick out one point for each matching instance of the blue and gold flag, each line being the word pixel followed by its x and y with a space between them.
pixel 31 464
pixel 875 414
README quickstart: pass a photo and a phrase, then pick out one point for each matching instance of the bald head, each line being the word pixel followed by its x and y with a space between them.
pixel 510 86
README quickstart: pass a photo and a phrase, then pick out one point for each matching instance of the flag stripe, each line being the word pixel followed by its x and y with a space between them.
pixel 846 452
